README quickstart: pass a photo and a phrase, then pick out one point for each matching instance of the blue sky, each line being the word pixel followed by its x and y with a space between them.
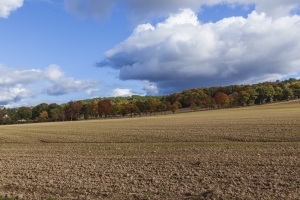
pixel 63 50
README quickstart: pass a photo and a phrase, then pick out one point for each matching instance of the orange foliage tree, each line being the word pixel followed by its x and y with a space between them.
pixel 104 107
pixel 221 99
pixel 174 107
pixel 43 115
pixel 77 108
pixel 131 108
pixel 69 110
pixel 93 109
pixel 152 106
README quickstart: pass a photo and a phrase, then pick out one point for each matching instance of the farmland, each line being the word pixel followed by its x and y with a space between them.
pixel 242 153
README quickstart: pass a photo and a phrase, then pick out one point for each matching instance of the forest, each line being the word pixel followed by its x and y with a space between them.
pixel 199 98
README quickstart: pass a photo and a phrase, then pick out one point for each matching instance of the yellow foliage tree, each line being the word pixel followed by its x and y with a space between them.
pixel 43 115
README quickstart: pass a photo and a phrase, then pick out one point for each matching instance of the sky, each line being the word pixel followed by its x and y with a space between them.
pixel 56 51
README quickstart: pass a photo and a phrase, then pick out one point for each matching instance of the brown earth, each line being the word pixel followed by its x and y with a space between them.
pixel 244 153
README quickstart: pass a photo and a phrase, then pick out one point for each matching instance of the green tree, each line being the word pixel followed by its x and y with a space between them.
pixel 146 107
pixel 265 93
pixel 24 113
pixel 278 93
pixel 194 107
pixel 287 93
pixel 38 109
pixel 160 107
pixel 2 114
pixel 85 111
pixel 295 87
pixel 12 115
pixel 55 113
pixel 51 107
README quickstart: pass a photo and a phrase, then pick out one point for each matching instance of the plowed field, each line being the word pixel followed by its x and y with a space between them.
pixel 241 153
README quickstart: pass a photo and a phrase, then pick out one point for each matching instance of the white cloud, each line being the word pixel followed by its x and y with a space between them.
pixel 18 84
pixel 92 91
pixel 69 85
pixel 150 88
pixel 53 73
pixel 181 52
pixel 7 6
pixel 15 93
pixel 118 92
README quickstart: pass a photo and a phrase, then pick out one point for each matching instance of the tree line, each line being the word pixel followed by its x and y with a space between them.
pixel 195 99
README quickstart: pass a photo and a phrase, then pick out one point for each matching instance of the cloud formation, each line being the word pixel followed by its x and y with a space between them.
pixel 181 52
pixel 17 84
pixel 147 9
pixel 118 92
pixel 7 6
pixel 83 8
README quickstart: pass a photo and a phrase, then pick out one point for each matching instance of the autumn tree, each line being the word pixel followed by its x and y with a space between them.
pixel 233 99
pixel 116 109
pixel 253 95
pixel 43 116
pixel 69 110
pixel 131 108
pixel 63 112
pixel 139 105
pixel 93 109
pixel 123 111
pixel 152 104
pixel 160 107
pixel 77 106
pixel 206 101
pixel 104 107
pixel 221 99
pixel 190 101
pixel 174 107
pixel 244 97
pixel 168 106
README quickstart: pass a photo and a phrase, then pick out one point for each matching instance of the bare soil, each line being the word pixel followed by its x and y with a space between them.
pixel 244 153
